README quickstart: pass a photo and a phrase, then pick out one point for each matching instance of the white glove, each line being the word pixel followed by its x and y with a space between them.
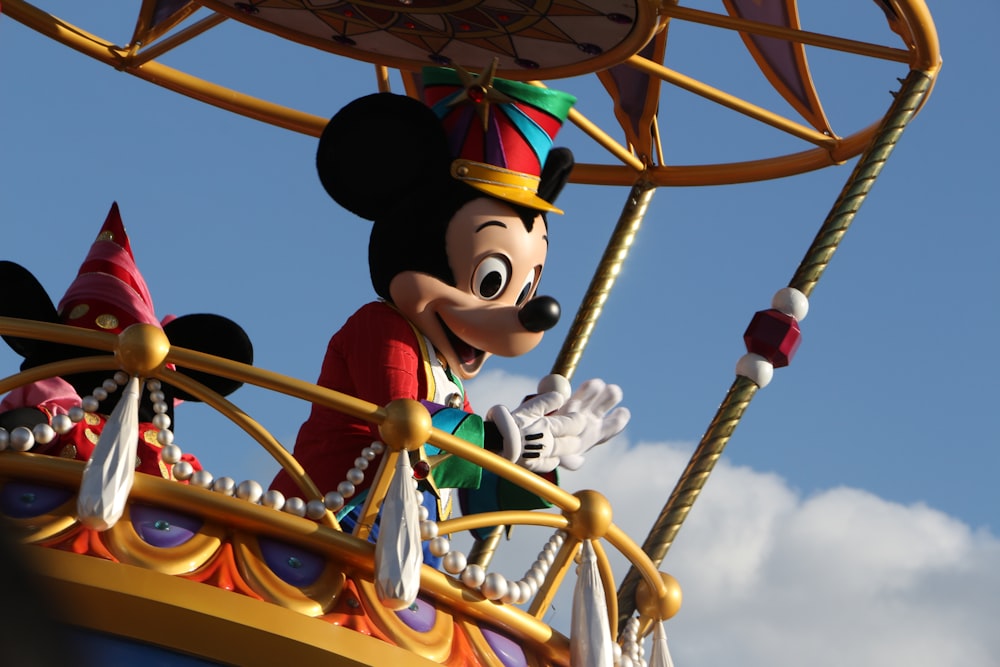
pixel 553 429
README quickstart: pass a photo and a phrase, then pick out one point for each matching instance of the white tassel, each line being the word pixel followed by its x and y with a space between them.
pixel 108 475
pixel 398 552
pixel 660 656
pixel 590 632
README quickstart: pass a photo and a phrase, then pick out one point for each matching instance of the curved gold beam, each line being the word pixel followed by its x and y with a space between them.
pixel 732 102
pixel 252 428
pixel 161 75
pixel 187 34
pixel 790 34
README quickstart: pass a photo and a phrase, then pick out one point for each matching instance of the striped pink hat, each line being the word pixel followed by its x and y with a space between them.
pixel 109 293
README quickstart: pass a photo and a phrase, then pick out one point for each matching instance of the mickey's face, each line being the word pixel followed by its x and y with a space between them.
pixel 496 262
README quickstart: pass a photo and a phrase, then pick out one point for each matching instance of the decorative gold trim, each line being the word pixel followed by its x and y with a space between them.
pixel 129 547
pixel 151 607
pixel 435 644
pixel 486 653
pixel 313 600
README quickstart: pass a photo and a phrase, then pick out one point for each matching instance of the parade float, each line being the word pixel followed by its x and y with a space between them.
pixel 176 565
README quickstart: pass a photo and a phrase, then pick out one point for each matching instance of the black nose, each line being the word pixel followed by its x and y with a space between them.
pixel 539 314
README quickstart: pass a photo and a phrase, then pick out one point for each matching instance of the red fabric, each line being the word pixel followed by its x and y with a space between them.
pixel 79 444
pixel 375 357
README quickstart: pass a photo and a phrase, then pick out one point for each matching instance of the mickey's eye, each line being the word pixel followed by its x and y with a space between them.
pixel 526 289
pixel 491 277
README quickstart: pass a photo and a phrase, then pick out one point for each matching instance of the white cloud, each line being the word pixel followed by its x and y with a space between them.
pixel 773 578
pixel 841 577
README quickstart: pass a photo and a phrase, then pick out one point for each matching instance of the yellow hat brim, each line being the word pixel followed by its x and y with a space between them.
pixel 510 186
pixel 516 196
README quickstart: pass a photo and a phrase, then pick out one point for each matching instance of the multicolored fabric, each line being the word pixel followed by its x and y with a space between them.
pixel 518 134
pixel 454 472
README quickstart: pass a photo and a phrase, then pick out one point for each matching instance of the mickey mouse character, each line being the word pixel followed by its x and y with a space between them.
pixel 108 294
pixel 458 189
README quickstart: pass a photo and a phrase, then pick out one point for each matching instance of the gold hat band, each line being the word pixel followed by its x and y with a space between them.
pixel 479 172
pixel 512 186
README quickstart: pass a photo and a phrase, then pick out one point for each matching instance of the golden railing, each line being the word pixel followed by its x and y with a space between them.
pixel 143 351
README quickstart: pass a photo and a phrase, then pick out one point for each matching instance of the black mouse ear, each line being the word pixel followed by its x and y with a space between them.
pixel 211 334
pixel 380 149
pixel 555 173
pixel 22 296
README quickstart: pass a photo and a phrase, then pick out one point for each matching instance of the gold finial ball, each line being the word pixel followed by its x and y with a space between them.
pixel 407 424
pixel 142 349
pixel 591 521
pixel 649 604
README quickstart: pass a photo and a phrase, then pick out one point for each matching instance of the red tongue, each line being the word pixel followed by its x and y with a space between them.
pixel 466 353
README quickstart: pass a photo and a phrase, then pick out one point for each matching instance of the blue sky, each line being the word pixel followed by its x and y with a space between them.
pixel 883 423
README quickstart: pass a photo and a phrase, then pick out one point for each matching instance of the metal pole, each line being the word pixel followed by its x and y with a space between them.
pixel 604 278
pixel 587 314
pixel 915 88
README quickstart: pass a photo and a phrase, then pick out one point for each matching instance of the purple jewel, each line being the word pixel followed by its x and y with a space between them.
pixel 19 500
pixel 344 39
pixel 247 8
pixel 620 18
pixel 420 615
pixel 162 527
pixel 590 49
pixel 506 649
pixel 526 64
pixel 294 565
pixel 439 59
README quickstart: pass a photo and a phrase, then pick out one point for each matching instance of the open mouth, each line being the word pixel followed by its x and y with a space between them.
pixel 469 356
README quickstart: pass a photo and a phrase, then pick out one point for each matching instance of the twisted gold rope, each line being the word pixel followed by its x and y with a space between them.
pixel 604 278
pixel 905 105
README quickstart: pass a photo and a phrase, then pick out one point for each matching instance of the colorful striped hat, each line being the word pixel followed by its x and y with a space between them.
pixel 499 131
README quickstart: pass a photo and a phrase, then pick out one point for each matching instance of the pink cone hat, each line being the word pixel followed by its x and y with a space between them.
pixel 109 293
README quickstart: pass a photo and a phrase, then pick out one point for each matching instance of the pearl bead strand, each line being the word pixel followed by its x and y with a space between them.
pixel 493 586
pixel 631 653
pixel 23 439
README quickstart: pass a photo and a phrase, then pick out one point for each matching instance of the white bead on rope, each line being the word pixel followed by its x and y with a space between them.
pixel 791 302
pixel 755 368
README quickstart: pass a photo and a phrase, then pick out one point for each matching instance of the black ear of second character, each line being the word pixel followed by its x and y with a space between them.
pixel 210 334
pixel 23 297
